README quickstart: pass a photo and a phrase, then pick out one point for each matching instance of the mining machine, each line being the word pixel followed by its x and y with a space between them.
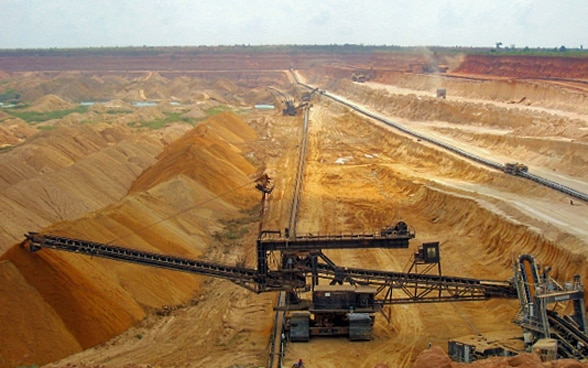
pixel 363 75
pixel 543 301
pixel 344 299
pixel 514 168
pixel 290 107
pixel 552 316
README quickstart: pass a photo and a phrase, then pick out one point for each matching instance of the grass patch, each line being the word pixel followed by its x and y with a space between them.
pixel 176 117
pixel 37 117
pixel 10 96
pixel 239 227
pixel 170 117
pixel 216 110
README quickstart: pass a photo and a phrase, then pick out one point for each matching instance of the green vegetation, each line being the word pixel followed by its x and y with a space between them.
pixel 176 117
pixel 9 96
pixel 170 117
pixel 560 51
pixel 176 52
pixel 238 227
pixel 37 117
pixel 216 110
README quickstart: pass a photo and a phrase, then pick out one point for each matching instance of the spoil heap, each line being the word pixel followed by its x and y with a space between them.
pixel 68 303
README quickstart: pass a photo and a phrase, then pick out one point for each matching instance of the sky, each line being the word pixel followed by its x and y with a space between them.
pixel 476 23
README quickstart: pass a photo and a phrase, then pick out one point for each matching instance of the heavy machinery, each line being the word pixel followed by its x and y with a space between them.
pixel 347 301
pixel 552 316
pixel 363 75
pixel 336 310
pixel 290 107
pixel 515 168
pixel 542 299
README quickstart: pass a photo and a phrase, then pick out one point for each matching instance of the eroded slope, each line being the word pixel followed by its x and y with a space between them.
pixel 93 300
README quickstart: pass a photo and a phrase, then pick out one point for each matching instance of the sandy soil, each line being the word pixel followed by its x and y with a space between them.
pixel 189 191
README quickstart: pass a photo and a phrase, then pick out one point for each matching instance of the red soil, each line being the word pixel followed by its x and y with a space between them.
pixel 525 66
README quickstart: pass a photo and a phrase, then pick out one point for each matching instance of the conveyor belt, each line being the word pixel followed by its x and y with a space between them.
pixel 343 241
pixel 417 288
pixel 421 288
pixel 248 278
pixel 572 341
pixel 495 165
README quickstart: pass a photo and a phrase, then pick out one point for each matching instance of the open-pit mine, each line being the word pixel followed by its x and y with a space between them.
pixel 249 207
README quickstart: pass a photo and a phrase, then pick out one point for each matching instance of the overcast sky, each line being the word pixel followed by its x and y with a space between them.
pixel 96 23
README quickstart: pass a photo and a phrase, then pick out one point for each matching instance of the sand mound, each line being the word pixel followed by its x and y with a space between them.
pixel 14 131
pixel 434 357
pixel 64 173
pixel 50 103
pixel 209 155
pixel 194 113
pixel 94 299
pixel 22 303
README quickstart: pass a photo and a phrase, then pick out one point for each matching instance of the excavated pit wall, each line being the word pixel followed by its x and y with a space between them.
pixel 558 142
pixel 510 90
pixel 503 236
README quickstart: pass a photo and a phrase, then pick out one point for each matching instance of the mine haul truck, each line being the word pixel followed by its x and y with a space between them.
pixel 336 310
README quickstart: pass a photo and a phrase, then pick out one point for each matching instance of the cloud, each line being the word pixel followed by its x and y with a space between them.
pixel 74 23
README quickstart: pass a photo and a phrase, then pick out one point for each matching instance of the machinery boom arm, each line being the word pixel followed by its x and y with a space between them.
pixel 248 278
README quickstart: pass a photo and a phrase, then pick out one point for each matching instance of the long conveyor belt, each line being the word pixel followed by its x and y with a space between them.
pixel 572 341
pixel 418 288
pixel 422 288
pixel 248 278
pixel 481 160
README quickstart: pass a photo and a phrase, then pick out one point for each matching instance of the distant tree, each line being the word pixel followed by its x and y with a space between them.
pixel 498 45
pixel 562 48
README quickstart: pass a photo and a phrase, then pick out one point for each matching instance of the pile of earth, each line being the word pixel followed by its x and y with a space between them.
pixel 73 88
pixel 50 103
pixel 78 302
pixel 13 131
pixel 65 173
